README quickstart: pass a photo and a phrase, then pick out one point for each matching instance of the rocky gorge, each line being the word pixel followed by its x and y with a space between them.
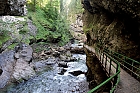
pixel 38 67
pixel 112 25
pixel 52 69
pixel 57 71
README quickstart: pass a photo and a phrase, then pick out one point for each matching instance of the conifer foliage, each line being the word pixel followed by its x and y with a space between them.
pixel 52 27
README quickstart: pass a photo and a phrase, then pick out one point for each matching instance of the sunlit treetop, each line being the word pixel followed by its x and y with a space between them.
pixel 41 2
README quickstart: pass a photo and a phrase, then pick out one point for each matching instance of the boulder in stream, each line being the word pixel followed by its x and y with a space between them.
pixel 7 63
pixel 15 65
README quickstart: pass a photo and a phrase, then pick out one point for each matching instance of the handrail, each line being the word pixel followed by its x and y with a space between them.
pixel 103 57
pixel 127 63
pixel 105 82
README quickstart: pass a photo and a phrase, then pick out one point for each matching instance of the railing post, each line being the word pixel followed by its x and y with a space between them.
pixel 110 67
pixel 132 67
pixel 108 62
pixel 103 59
pixel 115 78
pixel 124 61
pixel 105 62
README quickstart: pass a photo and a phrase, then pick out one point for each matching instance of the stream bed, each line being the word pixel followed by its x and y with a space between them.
pixel 62 77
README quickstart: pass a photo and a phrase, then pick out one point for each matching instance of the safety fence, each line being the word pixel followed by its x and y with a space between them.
pixel 130 65
pixel 109 64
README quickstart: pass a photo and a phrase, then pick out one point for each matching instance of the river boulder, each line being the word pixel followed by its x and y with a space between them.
pixel 15 65
pixel 7 63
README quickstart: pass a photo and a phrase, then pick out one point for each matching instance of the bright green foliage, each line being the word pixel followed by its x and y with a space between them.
pixel 4 36
pixel 24 30
pixel 12 46
pixel 4 33
pixel 51 26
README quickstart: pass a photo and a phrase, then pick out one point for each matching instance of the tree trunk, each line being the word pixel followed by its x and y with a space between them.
pixel 51 2
pixel 34 5
pixel 61 6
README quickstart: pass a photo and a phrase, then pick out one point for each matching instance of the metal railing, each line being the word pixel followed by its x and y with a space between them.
pixel 111 62
pixel 112 67
pixel 128 64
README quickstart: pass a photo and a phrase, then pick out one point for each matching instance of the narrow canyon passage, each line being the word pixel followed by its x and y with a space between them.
pixel 58 70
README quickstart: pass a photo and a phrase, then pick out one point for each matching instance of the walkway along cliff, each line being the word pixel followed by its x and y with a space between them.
pixel 113 25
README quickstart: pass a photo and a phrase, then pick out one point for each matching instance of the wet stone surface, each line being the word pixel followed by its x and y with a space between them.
pixel 54 82
pixel 6 67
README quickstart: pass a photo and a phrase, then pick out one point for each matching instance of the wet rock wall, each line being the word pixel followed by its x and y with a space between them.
pixel 114 24
pixel 95 74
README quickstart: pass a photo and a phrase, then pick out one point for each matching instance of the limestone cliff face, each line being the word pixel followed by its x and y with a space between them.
pixel 114 24
pixel 13 7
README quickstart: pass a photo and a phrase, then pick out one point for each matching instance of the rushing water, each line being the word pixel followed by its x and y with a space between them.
pixel 71 80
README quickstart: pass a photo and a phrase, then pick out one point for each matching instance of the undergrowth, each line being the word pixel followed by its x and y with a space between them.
pixel 51 26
